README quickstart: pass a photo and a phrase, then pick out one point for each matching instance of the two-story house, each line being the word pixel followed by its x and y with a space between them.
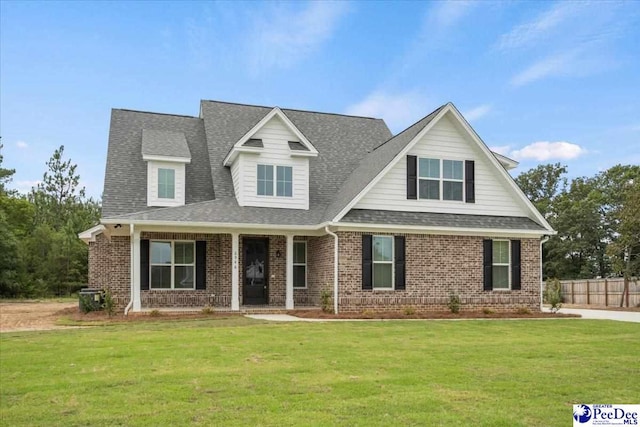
pixel 248 206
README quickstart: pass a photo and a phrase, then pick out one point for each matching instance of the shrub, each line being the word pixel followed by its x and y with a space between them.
pixel 409 311
pixel 454 302
pixel 325 301
pixel 553 294
pixel 207 310
pixel 108 303
pixel 487 310
pixel 523 310
pixel 154 313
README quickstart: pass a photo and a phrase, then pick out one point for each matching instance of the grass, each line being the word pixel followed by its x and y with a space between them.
pixel 238 371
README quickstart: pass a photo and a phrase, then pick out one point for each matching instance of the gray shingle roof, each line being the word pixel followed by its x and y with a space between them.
pixel 373 163
pixel 156 142
pixel 430 219
pixel 297 146
pixel 253 142
pixel 351 152
pixel 125 182
pixel 342 141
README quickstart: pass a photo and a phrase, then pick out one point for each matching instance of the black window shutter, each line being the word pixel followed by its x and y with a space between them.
pixel 144 264
pixel 367 264
pixel 412 177
pixel 399 262
pixel 470 181
pixel 515 265
pixel 201 264
pixel 487 263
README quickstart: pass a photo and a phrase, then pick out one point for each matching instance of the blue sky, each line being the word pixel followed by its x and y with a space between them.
pixel 539 81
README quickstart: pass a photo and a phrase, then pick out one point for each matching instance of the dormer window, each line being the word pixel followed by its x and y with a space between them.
pixel 166 154
pixel 166 183
pixel 282 186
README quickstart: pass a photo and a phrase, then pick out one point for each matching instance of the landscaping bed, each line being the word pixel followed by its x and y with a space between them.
pixel 463 314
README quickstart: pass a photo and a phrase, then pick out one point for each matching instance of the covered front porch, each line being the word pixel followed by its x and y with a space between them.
pixel 235 270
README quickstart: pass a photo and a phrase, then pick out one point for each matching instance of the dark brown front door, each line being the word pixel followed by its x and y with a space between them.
pixel 256 271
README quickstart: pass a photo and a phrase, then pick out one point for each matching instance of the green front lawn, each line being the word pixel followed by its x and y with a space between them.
pixel 243 372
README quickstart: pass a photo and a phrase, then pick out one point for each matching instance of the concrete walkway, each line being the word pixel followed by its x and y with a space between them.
pixel 622 316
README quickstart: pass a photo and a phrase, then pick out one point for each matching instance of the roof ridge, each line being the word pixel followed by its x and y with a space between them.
pixel 156 113
pixel 292 109
pixel 436 111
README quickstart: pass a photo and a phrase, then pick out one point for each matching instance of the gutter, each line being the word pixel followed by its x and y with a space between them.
pixel 544 240
pixel 128 307
pixel 335 268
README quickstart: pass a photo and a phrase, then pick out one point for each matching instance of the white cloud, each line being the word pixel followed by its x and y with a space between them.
pixel 283 37
pixel 569 39
pixel 536 29
pixel 448 13
pixel 545 150
pixel 477 112
pixel 398 110
pixel 26 185
pixel 501 149
pixel 22 145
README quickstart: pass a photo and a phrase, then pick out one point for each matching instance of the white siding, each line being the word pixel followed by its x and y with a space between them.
pixel 446 141
pixel 237 179
pixel 152 184
pixel 275 136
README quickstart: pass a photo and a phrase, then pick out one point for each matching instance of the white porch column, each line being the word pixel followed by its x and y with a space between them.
pixel 235 272
pixel 135 268
pixel 289 288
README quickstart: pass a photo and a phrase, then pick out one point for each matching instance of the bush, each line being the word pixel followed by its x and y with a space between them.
pixel 108 304
pixel 207 310
pixel 553 294
pixel 454 302
pixel 523 310
pixel 409 311
pixel 487 310
pixel 325 301
pixel 155 313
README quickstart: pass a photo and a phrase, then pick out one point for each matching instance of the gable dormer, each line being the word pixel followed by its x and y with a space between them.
pixel 166 154
pixel 270 164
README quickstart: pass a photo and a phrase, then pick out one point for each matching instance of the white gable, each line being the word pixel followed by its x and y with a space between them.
pixel 274 136
pixel 447 140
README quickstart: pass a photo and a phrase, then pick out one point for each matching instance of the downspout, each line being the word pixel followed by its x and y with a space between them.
pixel 544 240
pixel 128 307
pixel 335 268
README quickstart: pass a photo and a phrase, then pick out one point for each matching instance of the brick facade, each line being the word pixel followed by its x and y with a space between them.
pixel 435 266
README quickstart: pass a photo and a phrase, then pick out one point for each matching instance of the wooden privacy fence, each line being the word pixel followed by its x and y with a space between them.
pixel 603 292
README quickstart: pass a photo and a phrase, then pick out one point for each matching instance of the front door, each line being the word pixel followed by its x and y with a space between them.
pixel 256 285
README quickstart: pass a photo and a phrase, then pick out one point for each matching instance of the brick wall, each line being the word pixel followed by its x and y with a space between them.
pixel 319 271
pixel 109 267
pixel 435 266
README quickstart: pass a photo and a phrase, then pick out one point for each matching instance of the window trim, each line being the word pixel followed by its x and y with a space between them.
pixel 441 179
pixel 508 265
pixel 173 264
pixel 160 170
pixel 274 181
pixel 392 262
pixel 300 264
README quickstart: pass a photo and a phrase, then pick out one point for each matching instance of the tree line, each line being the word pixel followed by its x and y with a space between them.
pixel 597 219
pixel 40 252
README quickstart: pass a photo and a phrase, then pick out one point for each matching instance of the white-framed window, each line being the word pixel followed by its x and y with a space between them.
pixel 300 264
pixel 440 179
pixel 172 264
pixel 501 264
pixel 382 262
pixel 281 186
pixel 166 183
